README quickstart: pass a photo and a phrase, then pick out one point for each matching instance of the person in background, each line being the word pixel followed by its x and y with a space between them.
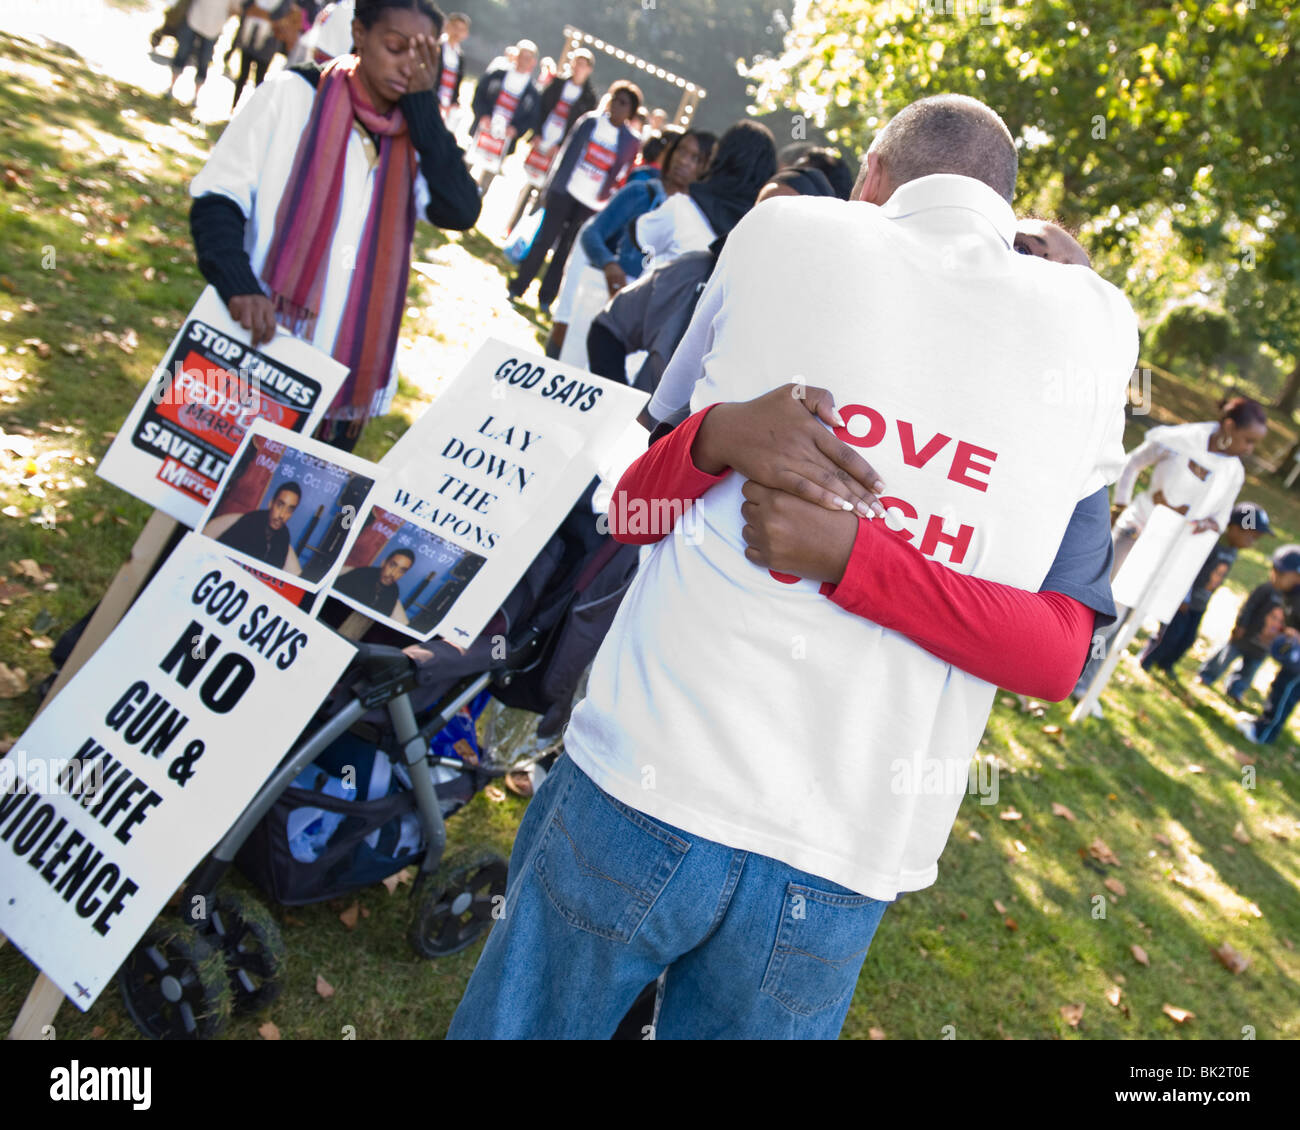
pixel 586 174
pixel 329 36
pixel 583 292
pixel 1197 472
pixel 742 164
pixel 563 103
pixel 658 120
pixel 451 64
pixel 832 166
pixel 197 38
pixel 1252 635
pixel 506 106
pixel 257 41
pixel 1284 692
pixel 1247 525
pixel 303 216
pixel 546 71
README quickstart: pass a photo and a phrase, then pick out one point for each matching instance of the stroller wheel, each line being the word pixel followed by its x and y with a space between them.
pixel 254 950
pixel 457 907
pixel 174 985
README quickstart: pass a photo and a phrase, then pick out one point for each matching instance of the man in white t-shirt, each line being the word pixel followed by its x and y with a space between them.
pixel 779 726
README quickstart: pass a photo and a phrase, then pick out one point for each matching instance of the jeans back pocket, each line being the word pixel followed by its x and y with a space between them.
pixel 603 863
pixel 820 947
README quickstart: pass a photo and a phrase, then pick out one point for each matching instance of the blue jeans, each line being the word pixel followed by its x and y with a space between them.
pixel 601 900
pixel 188 42
pixel 1221 660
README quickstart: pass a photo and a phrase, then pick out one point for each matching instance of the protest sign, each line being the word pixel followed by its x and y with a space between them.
pixel 178 439
pixel 288 507
pixel 496 463
pixel 402 573
pixel 118 790
pixel 1167 550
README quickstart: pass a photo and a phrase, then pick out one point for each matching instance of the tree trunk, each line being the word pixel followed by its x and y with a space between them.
pixel 1290 390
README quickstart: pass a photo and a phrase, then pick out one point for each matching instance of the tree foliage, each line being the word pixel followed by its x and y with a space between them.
pixel 1166 131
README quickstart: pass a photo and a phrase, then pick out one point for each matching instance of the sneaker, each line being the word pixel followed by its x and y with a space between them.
pixel 1246 728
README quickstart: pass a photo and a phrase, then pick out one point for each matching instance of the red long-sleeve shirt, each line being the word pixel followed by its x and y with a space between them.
pixel 1033 643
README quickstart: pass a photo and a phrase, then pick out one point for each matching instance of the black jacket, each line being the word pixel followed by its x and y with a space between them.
pixel 584 103
pixel 526 115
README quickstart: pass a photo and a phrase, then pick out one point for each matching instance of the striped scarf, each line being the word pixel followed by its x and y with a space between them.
pixel 298 259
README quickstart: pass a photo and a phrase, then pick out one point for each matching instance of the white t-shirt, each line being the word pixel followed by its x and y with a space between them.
pixel 761 715
pixel 250 164
pixel 674 228
pixel 208 17
pixel 1186 472
pixel 593 164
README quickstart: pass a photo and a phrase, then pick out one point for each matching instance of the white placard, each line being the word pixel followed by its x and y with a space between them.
pixel 179 437
pixel 497 462
pixel 289 505
pixel 1168 545
pixel 146 758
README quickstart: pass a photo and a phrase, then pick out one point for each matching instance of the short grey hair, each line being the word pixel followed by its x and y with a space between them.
pixel 948 133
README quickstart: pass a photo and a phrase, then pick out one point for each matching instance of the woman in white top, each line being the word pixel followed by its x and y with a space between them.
pixel 744 161
pixel 304 215
pixel 1197 471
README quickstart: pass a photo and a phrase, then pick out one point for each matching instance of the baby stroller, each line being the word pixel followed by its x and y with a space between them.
pixel 224 953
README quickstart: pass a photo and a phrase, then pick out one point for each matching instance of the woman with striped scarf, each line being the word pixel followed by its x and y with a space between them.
pixel 304 215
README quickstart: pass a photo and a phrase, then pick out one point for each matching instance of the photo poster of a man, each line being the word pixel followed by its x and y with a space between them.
pixel 178 439
pixel 289 506
pixel 402 574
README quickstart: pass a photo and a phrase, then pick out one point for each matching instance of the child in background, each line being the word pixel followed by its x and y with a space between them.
pixel 1282 695
pixel 1246 526
pixel 1248 640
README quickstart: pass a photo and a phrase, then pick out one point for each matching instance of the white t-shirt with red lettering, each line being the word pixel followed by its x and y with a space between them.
pixel 987 389
pixel 594 162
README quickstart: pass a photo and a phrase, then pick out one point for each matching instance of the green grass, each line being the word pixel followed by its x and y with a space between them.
pixel 1161 763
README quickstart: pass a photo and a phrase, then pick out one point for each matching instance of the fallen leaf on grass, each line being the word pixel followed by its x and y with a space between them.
pixel 97 1032
pixel 13 681
pixel 1099 851
pixel 1020 847
pixel 1010 924
pixel 1009 814
pixel 997 905
pixel 1054 732
pixel 1061 810
pixel 323 987
pixel 28 568
pixel 11 589
pixel 349 916
pixel 1230 959
pixel 1113 995
pixel 1178 1014
pixel 394 881
pixel 1195 769
pixel 1161 838
pixel 1072 1014
pixel 1139 955
pixel 494 794
pixel 1240 834
pixel 974 835
pixel 1243 758
pixel 876 1033
pixel 290 920
pixel 41 643
pixel 1115 887
pixel 269 1031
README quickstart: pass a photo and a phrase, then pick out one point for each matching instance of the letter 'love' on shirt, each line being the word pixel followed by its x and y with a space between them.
pixel 759 713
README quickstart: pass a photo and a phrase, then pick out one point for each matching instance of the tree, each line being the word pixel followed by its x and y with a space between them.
pixel 1164 130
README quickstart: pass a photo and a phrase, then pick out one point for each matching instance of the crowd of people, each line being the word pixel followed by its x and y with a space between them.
pixel 762 679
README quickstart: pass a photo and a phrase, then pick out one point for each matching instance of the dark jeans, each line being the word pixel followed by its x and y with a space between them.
pixel 1282 698
pixel 188 42
pixel 1172 643
pixel 564 216
pixel 247 63
pixel 606 354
